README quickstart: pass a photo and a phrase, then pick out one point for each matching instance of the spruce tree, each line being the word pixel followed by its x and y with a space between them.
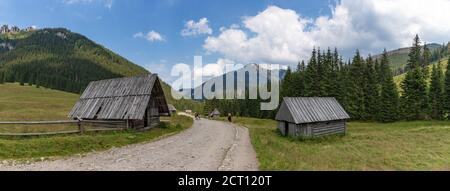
pixel 301 66
pixel 320 75
pixel 426 59
pixel 287 84
pixel 356 106
pixel 371 91
pixel 342 83
pixel 311 76
pixel 436 93
pixel 389 99
pixel 446 102
pixel 2 78
pixel 334 75
pixel 414 97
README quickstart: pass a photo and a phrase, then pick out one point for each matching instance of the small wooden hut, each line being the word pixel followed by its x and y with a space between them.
pixel 138 101
pixel 311 117
pixel 172 109
pixel 215 113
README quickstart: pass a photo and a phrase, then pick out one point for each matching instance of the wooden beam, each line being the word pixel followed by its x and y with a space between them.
pixel 38 122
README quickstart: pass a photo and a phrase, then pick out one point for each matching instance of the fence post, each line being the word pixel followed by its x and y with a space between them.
pixel 80 126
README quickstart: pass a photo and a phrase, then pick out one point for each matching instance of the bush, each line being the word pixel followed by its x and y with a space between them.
pixel 163 125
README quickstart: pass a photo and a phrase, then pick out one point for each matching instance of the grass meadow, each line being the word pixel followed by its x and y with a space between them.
pixel 419 145
pixel 28 103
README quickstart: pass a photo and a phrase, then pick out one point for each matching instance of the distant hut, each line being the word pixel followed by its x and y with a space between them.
pixel 215 113
pixel 139 101
pixel 311 117
pixel 172 109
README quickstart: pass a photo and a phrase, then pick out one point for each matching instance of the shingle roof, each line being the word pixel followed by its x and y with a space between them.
pixel 300 110
pixel 215 112
pixel 121 98
pixel 171 107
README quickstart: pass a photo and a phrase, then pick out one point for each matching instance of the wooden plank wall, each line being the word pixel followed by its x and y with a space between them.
pixel 328 128
pixel 314 129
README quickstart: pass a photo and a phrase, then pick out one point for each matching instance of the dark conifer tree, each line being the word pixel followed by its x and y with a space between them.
pixel 389 99
pixel 436 93
pixel 414 97
pixel 446 102
pixel 287 84
pixel 371 91
pixel 426 60
pixel 311 74
pixel 356 87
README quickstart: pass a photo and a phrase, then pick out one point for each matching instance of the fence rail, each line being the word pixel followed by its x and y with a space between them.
pixel 80 123
pixel 38 122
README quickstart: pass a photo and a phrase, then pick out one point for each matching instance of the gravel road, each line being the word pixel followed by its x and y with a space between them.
pixel 207 146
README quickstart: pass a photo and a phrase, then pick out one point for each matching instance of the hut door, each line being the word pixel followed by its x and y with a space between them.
pixel 146 118
pixel 286 128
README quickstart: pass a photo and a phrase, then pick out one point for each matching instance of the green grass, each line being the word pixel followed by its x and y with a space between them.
pixel 31 103
pixel 398 61
pixel 26 103
pixel 51 146
pixel 421 145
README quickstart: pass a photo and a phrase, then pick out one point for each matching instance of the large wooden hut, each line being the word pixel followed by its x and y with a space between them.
pixel 138 101
pixel 311 117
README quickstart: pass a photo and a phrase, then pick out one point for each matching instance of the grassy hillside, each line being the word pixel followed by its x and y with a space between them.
pixel 62 60
pixel 399 58
pixel 62 42
pixel 30 103
pixel 420 145
pixel 27 103
pixel 59 59
pixel 399 79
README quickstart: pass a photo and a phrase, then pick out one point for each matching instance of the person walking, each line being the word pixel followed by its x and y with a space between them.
pixel 229 118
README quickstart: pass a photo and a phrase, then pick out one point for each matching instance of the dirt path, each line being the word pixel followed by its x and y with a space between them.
pixel 208 145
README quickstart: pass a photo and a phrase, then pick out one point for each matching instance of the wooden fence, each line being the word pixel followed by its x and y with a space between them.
pixel 81 124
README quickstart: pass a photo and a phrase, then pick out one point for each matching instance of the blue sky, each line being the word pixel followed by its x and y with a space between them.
pixel 149 32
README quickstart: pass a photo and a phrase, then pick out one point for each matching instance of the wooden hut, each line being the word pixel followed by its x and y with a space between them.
pixel 311 117
pixel 138 101
pixel 172 109
pixel 215 113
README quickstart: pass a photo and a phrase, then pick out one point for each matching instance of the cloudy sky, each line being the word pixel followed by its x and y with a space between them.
pixel 160 34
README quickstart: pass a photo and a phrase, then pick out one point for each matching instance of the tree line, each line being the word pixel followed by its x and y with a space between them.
pixel 364 86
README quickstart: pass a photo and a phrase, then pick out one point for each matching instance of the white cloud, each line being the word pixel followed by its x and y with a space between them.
pixel 156 68
pixel 107 3
pixel 215 69
pixel 138 35
pixel 192 28
pixel 151 36
pixel 283 36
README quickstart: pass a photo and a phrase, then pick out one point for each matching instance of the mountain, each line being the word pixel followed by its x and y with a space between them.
pixel 399 57
pixel 237 79
pixel 63 60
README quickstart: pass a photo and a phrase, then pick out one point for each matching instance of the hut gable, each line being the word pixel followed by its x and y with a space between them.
pixel 302 110
pixel 171 108
pixel 215 112
pixel 120 99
